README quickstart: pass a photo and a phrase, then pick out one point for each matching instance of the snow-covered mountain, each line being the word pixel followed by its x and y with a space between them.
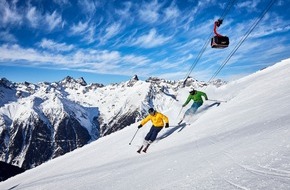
pixel 39 122
pixel 241 144
pixel 42 121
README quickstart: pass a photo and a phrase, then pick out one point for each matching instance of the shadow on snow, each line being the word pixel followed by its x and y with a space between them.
pixel 181 126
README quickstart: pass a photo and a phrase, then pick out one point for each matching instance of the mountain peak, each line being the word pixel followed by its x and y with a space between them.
pixel 5 83
pixel 132 81
pixel 71 80
pixel 82 81
pixel 135 77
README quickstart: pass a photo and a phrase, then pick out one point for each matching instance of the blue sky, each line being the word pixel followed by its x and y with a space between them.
pixel 110 41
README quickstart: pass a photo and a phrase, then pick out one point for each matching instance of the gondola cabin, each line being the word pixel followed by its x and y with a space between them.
pixel 220 42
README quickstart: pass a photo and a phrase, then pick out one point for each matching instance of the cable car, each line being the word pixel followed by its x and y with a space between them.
pixel 219 41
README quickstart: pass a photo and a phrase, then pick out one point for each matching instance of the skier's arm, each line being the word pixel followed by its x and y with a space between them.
pixel 144 121
pixel 204 95
pixel 187 101
pixel 165 118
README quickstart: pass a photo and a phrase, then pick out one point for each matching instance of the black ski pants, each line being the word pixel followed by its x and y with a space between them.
pixel 152 134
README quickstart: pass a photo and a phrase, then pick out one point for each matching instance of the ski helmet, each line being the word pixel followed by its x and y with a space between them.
pixel 192 91
pixel 151 110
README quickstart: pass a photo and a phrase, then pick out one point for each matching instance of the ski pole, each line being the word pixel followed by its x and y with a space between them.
pixel 216 100
pixel 133 137
pixel 180 111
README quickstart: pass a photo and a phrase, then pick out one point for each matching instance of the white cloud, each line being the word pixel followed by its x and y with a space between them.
pixel 152 39
pixel 89 36
pixel 9 13
pixel 107 56
pixel 136 60
pixel 87 30
pixel 5 36
pixel 58 47
pixel 16 53
pixel 53 20
pixel 171 12
pixel 61 2
pixel 111 31
pixel 89 60
pixel 88 7
pixel 201 5
pixel 264 31
pixel 149 12
pixel 85 58
pixel 248 5
pixel 125 12
pixel 79 28
pixel 33 16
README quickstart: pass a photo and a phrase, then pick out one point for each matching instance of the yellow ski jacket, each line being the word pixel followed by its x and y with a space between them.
pixel 157 119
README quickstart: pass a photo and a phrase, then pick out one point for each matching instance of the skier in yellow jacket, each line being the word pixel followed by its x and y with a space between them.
pixel 158 120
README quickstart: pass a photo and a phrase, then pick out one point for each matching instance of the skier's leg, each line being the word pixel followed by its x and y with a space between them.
pixel 194 107
pixel 146 140
pixel 146 147
pixel 147 137
pixel 155 131
pixel 188 113
pixel 191 111
pixel 139 150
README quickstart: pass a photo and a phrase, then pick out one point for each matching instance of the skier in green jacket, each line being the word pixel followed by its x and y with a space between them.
pixel 196 96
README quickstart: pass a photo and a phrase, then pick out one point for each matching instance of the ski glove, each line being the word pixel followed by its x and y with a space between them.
pixel 139 126
pixel 166 125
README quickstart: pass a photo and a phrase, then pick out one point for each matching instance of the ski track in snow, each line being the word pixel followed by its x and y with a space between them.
pixel 268 173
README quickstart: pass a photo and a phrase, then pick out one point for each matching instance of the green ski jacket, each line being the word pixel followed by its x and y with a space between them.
pixel 196 97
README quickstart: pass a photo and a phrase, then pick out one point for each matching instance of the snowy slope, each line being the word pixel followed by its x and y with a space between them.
pixel 43 121
pixel 241 144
